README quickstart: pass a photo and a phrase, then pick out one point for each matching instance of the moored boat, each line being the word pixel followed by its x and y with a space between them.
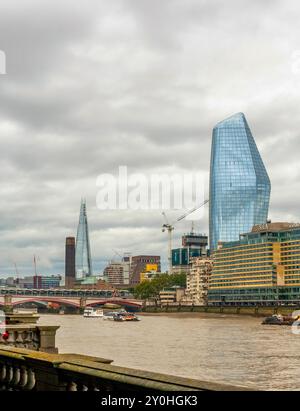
pixel 121 315
pixel 278 319
pixel 125 316
pixel 90 312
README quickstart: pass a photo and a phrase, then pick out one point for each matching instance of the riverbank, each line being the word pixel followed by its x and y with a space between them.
pixel 249 311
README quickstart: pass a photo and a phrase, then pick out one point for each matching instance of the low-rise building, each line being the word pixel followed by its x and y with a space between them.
pixel 150 275
pixel 171 295
pixel 10 282
pixel 39 282
pixel 93 283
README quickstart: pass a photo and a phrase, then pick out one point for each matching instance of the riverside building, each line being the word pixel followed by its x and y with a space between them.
pixel 263 267
pixel 197 281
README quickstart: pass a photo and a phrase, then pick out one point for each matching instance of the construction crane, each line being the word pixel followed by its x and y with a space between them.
pixel 191 211
pixel 170 227
pixel 117 253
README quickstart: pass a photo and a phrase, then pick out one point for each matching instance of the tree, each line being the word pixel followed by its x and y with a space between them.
pixel 147 289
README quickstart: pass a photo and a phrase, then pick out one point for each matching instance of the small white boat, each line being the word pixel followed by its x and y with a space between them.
pixel 109 316
pixel 90 312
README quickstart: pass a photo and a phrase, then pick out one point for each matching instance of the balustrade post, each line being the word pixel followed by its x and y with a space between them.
pixel 47 338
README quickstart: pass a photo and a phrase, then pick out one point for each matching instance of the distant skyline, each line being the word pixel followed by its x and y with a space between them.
pixel 92 86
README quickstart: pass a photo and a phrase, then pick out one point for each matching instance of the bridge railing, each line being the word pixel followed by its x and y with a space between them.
pixel 25 370
pixel 64 292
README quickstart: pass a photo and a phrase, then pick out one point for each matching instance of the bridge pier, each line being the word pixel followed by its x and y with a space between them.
pixel 82 304
pixel 8 306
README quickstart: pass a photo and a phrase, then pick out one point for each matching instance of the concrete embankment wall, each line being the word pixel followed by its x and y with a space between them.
pixel 257 311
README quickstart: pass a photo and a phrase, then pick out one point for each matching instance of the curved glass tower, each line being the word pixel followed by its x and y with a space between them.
pixel 83 249
pixel 239 184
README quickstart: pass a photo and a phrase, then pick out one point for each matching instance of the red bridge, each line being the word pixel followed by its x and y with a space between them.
pixel 79 301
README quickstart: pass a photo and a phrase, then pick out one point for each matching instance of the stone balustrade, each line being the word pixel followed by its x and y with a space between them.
pixel 30 336
pixel 25 370
pixel 22 331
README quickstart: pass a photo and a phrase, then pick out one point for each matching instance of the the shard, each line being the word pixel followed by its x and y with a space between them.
pixel 83 249
pixel 239 183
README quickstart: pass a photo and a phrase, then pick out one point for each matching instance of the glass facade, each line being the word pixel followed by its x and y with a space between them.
pixel 182 256
pixel 83 250
pixel 239 183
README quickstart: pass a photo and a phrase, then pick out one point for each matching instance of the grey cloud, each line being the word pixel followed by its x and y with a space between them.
pixel 91 86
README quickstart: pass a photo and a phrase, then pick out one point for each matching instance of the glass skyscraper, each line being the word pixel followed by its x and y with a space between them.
pixel 239 184
pixel 83 250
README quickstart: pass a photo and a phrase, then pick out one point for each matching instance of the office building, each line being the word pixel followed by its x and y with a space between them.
pixel 46 281
pixel 114 273
pixel 83 249
pixel 140 264
pixel 193 245
pixel 26 282
pixel 39 282
pixel 118 272
pixel 262 267
pixel 239 183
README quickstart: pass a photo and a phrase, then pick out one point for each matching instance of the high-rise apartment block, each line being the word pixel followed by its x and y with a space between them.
pixel 197 280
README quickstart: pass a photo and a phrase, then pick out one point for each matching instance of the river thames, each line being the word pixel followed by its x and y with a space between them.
pixel 227 349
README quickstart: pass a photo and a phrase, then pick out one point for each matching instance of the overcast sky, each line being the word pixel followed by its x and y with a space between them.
pixel 92 85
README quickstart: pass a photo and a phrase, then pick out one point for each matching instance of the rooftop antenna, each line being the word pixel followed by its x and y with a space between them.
pixel 192 228
pixel 17 272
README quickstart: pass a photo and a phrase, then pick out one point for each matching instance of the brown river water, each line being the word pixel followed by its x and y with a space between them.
pixel 220 348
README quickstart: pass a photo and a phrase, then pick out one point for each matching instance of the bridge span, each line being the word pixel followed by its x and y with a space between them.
pixel 65 298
